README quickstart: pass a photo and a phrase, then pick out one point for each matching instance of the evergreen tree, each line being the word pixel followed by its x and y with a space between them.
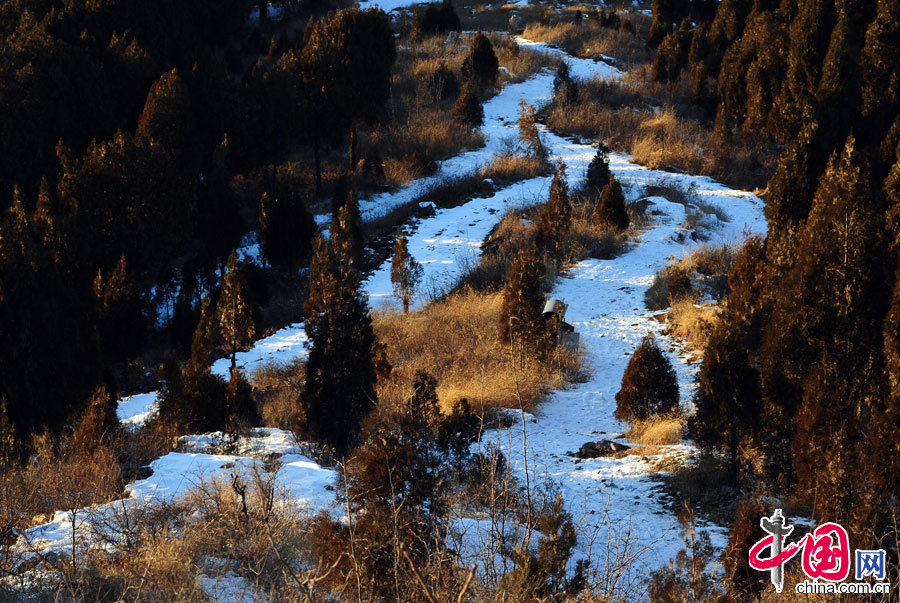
pixel 347 236
pixel 612 210
pixel 598 173
pixel 405 271
pixel 521 322
pixel 881 64
pixel 240 407
pixel 235 314
pixel 219 218
pixel 481 66
pixel 554 220
pixel 649 386
pixel 809 35
pixel 98 424
pixel 564 87
pixel 348 55
pixel 286 227
pixel 168 118
pixel 340 372
pixel 120 319
pixel 467 109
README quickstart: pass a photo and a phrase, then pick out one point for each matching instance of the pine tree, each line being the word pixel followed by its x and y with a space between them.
pixel 120 319
pixel 234 312
pixel 809 35
pixel 830 334
pixel 612 210
pixel 340 372
pixel 528 131
pixel 521 322
pixel 467 109
pixel 347 235
pixel 405 271
pixel 728 400
pixel 554 220
pixel 598 173
pixel 98 424
pixel 741 580
pixel 481 65
pixel 286 227
pixel 649 386
pixel 219 212
pixel 240 407
pixel 206 337
pixel 881 63
pixel 168 117
pixel 348 57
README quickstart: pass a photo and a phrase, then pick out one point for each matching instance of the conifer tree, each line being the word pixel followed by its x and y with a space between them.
pixel 219 213
pixel 347 235
pixel 830 336
pixel 481 65
pixel 348 57
pixel 554 220
pixel 881 63
pixel 98 424
pixel 521 323
pixel 467 109
pixel 206 337
pixel 120 320
pixel 286 227
pixel 649 386
pixel 528 131
pixel 340 373
pixel 598 173
pixel 406 272
pixel 235 315
pixel 168 117
pixel 612 210
pixel 240 407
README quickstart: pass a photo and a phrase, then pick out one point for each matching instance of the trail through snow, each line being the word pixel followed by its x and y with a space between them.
pixel 607 496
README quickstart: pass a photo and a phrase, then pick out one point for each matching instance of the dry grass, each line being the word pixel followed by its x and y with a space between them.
pixel 663 430
pixel 507 167
pixel 661 129
pixel 692 322
pixel 457 340
pixel 588 40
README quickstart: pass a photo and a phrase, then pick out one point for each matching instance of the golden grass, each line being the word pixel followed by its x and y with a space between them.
pixel 456 340
pixel 663 430
pixel 692 322
pixel 661 129
pixel 509 167
pixel 589 40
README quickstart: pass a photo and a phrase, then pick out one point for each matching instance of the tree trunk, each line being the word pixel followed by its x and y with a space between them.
pixel 318 159
pixel 353 148
pixel 263 12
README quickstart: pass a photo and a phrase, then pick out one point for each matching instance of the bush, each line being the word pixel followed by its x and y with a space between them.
pixel 598 173
pixel 741 580
pixel 481 65
pixel 649 386
pixel 467 110
pixel 612 206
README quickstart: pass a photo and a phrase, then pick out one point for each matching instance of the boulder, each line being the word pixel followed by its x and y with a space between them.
pixel 592 450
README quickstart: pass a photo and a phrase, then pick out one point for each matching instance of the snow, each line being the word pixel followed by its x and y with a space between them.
pixel 613 500
pixel 281 348
pixel 134 411
pixel 300 480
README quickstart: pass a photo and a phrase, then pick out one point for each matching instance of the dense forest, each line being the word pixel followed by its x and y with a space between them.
pixel 179 180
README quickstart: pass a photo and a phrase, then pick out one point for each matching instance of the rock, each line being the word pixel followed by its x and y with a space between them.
pixel 592 450
pixel 516 25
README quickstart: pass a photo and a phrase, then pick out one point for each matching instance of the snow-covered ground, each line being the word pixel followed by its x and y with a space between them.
pixel 608 497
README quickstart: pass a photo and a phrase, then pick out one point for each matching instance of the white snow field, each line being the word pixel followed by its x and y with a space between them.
pixel 613 500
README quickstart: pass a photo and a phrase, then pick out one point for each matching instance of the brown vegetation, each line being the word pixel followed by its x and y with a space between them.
pixel 661 129
pixel 430 340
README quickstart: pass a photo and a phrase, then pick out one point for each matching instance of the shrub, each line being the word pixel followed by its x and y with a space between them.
pixel 741 580
pixel 467 110
pixel 598 173
pixel 443 84
pixel 481 65
pixel 649 386
pixel 612 206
